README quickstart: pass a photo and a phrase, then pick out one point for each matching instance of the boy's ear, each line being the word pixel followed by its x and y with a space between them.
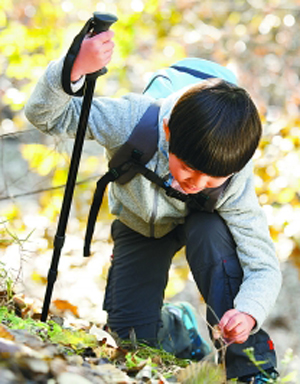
pixel 166 128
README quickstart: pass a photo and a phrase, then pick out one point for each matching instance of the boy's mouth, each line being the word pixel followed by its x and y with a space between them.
pixel 189 188
pixel 185 187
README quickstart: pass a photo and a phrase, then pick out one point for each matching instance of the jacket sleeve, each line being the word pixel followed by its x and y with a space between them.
pixel 54 112
pixel 246 220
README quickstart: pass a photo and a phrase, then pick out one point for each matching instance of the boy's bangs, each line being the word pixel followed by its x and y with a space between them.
pixel 215 130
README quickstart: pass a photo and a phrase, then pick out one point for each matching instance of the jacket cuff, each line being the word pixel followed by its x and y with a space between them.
pixel 254 309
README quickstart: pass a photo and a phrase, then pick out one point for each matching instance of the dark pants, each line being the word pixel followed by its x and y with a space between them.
pixel 139 274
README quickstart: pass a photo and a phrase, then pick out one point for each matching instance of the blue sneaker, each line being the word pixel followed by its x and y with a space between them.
pixel 186 313
pixel 269 377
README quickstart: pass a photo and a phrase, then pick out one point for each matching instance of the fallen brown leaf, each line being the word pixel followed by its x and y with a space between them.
pixel 5 333
pixel 64 305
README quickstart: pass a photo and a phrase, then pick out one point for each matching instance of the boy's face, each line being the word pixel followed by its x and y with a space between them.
pixel 191 180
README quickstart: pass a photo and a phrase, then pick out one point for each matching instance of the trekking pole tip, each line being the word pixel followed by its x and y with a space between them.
pixel 86 251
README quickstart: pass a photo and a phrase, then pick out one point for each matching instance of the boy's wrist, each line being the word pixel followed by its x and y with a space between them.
pixel 250 320
pixel 75 76
pixel 76 72
pixel 77 85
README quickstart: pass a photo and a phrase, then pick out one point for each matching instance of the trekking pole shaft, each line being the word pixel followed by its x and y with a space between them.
pixel 99 23
pixel 68 195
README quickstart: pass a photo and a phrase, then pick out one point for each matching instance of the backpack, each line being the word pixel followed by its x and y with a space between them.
pixel 135 153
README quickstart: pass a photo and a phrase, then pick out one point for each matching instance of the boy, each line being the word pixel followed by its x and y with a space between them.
pixel 207 136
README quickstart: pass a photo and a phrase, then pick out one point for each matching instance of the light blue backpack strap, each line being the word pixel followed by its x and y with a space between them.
pixel 183 73
pixel 206 68
pixel 160 85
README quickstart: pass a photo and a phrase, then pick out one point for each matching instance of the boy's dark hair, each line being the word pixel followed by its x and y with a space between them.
pixel 215 128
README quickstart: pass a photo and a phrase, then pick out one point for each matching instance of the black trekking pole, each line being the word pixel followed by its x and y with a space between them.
pixel 97 24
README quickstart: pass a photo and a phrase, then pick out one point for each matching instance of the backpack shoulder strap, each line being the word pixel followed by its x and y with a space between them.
pixel 140 146
pixel 138 149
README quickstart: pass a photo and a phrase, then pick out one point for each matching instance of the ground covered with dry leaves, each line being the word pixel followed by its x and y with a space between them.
pixel 32 351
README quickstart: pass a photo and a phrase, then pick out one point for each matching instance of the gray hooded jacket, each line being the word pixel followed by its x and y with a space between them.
pixel 143 206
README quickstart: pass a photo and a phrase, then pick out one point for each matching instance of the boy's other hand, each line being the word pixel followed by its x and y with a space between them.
pixel 94 54
pixel 236 326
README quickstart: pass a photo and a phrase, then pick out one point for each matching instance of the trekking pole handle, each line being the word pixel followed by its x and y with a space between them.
pixel 101 22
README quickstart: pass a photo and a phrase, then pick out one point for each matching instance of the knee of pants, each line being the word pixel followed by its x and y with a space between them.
pixel 211 254
pixel 207 234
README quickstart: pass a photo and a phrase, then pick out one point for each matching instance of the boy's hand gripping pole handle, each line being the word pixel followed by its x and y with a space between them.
pixel 99 23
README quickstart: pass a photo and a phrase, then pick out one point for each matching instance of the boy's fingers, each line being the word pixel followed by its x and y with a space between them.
pixel 103 36
pixel 236 326
pixel 108 47
pixel 100 44
pixel 232 323
pixel 106 58
pixel 240 338
pixel 227 318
